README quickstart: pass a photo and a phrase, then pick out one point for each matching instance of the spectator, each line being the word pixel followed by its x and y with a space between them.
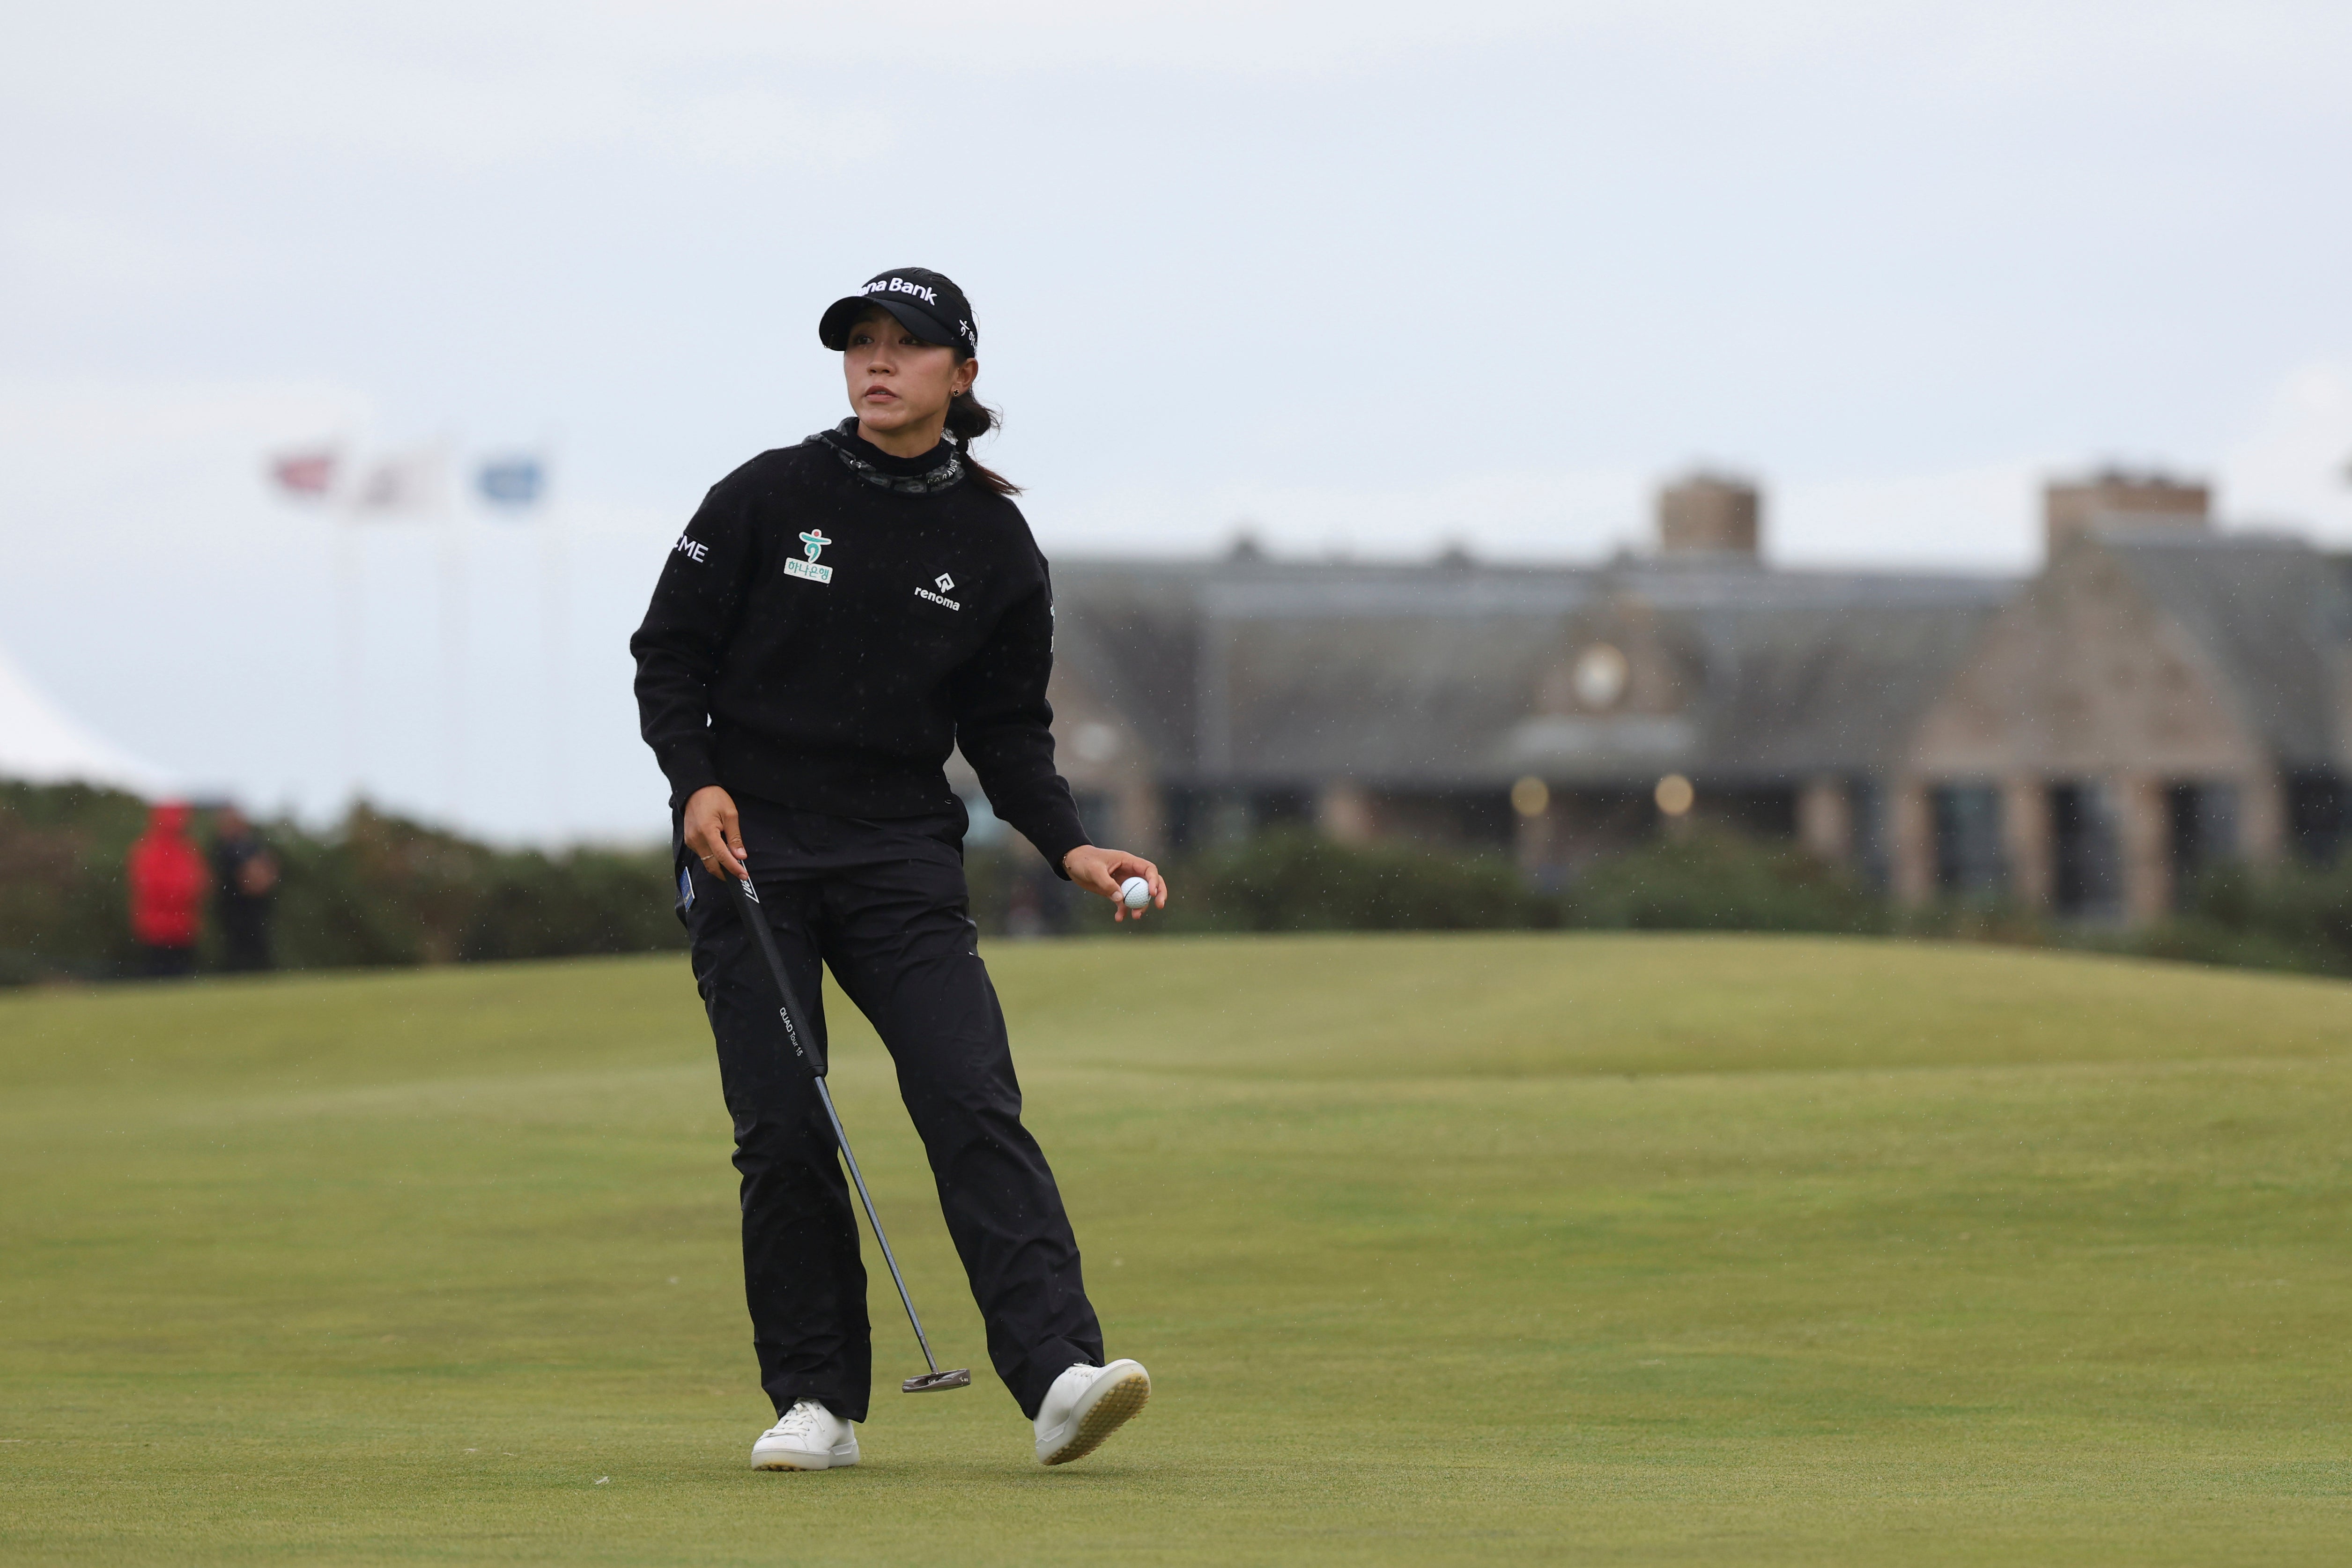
pixel 167 886
pixel 244 884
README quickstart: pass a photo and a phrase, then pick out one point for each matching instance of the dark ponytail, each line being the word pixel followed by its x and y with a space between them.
pixel 967 420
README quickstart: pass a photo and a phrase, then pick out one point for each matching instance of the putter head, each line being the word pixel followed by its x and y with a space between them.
pixel 959 1378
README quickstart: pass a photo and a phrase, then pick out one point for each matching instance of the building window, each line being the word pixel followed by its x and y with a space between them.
pixel 1188 818
pixel 1203 818
pixel 2314 817
pixel 1281 808
pixel 1758 813
pixel 2202 822
pixel 1481 818
pixel 2085 851
pixel 1967 840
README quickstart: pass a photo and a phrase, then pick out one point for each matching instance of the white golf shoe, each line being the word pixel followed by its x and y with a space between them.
pixel 809 1438
pixel 1087 1405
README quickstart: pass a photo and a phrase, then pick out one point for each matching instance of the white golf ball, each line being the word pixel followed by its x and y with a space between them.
pixel 1135 892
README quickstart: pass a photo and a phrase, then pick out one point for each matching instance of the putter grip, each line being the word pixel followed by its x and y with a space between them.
pixel 805 1045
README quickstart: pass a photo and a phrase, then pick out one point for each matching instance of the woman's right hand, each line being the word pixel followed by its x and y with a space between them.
pixel 715 833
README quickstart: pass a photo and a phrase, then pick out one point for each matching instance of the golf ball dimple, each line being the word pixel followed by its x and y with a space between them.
pixel 1135 892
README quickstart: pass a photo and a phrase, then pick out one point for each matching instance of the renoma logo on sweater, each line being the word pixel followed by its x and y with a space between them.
pixel 945 582
pixel 813 542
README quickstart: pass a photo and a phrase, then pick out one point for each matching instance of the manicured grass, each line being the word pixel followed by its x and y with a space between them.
pixel 1495 1250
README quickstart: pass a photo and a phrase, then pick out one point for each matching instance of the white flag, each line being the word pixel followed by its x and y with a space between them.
pixel 412 482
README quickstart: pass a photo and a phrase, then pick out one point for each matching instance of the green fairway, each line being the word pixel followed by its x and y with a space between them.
pixel 1520 1248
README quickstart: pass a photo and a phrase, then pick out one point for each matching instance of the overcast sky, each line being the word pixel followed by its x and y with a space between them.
pixel 1371 278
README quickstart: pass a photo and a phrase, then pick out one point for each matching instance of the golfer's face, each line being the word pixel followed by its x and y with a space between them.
pixel 895 378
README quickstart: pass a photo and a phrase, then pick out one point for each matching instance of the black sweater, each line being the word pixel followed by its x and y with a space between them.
pixel 821 641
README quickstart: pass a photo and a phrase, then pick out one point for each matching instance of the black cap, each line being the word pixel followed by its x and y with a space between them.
pixel 926 303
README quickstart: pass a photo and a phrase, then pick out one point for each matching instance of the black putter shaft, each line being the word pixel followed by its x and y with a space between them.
pixel 812 1054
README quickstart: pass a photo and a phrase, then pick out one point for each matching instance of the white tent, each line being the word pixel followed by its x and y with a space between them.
pixel 42 745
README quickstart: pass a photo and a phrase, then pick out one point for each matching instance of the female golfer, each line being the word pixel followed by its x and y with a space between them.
pixel 837 618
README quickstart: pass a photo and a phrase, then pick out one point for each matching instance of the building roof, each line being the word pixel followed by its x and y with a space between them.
pixel 1287 672
pixel 1835 688
pixel 2270 613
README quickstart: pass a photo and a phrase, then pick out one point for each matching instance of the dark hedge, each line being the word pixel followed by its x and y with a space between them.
pixel 378 889
pixel 381 889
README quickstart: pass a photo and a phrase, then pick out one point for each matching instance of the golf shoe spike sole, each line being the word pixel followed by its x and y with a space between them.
pixel 1107 1410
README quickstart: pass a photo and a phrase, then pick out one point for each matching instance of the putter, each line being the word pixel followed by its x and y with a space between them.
pixel 811 1056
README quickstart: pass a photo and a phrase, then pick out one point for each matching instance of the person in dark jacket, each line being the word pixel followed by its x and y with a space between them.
pixel 244 886
pixel 837 616
pixel 167 889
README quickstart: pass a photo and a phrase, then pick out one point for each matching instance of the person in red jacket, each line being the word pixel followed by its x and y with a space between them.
pixel 167 889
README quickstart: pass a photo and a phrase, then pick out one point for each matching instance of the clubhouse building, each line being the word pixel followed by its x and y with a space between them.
pixel 2161 696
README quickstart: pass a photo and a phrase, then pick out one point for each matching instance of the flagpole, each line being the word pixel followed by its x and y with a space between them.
pixel 453 666
pixel 316 476
pixel 555 629
pixel 516 483
pixel 350 676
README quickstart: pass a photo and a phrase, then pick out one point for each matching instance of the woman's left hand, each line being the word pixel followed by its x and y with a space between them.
pixel 1104 871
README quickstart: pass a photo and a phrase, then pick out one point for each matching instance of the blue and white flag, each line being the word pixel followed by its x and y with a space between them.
pixel 512 481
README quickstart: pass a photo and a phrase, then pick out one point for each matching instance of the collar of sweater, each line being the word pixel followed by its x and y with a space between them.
pixel 935 470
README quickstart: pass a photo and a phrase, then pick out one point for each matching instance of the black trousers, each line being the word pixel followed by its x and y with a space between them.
pixel 166 962
pixel 244 934
pixel 883 905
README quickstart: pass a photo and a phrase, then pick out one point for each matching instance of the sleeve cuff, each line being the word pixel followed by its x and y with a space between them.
pixel 1055 839
pixel 688 769
pixel 1054 858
